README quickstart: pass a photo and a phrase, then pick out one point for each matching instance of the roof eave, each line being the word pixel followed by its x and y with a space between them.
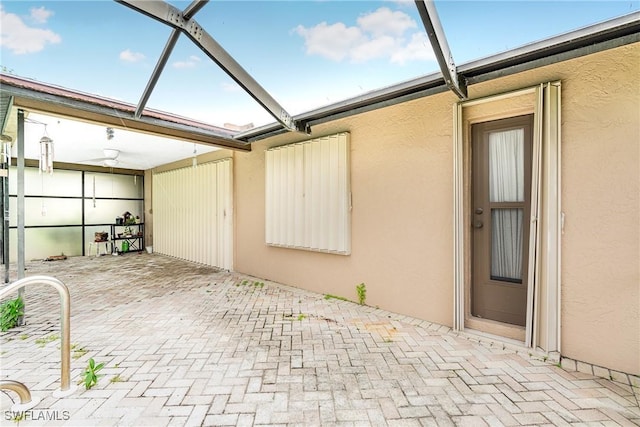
pixel 48 99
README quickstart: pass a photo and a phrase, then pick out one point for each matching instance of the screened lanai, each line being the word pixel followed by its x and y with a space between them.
pixel 348 149
pixel 82 125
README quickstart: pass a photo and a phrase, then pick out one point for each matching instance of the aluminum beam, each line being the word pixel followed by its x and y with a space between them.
pixel 173 17
pixel 188 13
pixel 162 61
pixel 429 15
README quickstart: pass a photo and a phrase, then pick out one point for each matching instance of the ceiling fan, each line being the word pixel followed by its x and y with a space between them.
pixel 110 158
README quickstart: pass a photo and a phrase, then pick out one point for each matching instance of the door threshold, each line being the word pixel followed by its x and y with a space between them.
pixel 493 338
pixel 518 347
pixel 493 327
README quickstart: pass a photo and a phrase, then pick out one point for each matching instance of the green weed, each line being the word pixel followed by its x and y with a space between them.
pixel 361 289
pixel 10 313
pixel 19 416
pixel 78 352
pixel 255 284
pixel 117 379
pixel 329 296
pixel 46 340
pixel 300 316
pixel 90 374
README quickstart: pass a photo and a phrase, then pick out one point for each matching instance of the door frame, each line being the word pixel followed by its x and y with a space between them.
pixel 542 328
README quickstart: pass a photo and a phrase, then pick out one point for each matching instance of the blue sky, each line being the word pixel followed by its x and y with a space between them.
pixel 305 53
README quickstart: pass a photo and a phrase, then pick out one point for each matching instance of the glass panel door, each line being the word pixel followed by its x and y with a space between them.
pixel 501 184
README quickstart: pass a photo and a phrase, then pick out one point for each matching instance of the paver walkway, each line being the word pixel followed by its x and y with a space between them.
pixel 185 344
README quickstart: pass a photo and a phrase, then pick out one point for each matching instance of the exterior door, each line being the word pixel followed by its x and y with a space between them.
pixel 501 187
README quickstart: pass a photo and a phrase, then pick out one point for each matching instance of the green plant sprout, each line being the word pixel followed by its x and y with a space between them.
pixel 90 374
pixel 361 289
pixel 10 313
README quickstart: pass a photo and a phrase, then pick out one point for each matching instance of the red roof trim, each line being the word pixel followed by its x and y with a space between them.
pixel 50 89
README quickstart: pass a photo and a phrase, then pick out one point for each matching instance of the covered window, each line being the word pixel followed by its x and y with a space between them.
pixel 308 195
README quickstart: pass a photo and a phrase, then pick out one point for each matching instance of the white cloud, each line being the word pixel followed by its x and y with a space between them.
pixel 378 47
pixel 378 35
pixel 331 41
pixel 189 63
pixel 21 39
pixel 418 49
pixel 386 22
pixel 128 56
pixel 40 14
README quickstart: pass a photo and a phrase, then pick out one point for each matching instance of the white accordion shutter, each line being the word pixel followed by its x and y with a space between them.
pixel 193 213
pixel 308 195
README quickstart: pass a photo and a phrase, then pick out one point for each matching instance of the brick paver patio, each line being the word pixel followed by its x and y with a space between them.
pixel 185 344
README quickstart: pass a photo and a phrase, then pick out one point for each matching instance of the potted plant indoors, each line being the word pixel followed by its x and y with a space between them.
pixel 128 221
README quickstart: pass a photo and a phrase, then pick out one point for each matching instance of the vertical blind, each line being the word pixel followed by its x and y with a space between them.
pixel 308 195
pixel 192 213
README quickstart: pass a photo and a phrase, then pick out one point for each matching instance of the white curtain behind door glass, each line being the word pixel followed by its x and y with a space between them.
pixel 506 166
pixel 506 244
pixel 506 184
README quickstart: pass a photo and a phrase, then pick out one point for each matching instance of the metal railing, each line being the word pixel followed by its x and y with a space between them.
pixel 65 332
pixel 26 402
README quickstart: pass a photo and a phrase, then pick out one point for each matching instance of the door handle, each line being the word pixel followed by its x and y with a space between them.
pixel 478 224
